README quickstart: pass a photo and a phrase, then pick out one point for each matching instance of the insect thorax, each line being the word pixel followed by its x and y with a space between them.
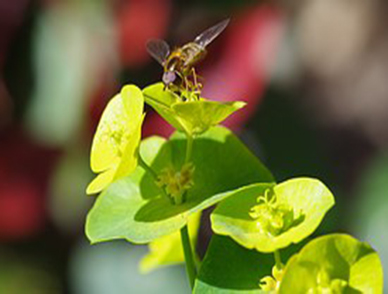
pixel 182 59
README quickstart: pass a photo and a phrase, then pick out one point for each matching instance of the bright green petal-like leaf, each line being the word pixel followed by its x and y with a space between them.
pixel 168 250
pixel 162 101
pixel 198 116
pixel 104 150
pixel 192 117
pixel 299 208
pixel 134 208
pixel 156 93
pixel 115 144
pixel 134 105
pixel 338 263
pixel 101 181
pixel 128 161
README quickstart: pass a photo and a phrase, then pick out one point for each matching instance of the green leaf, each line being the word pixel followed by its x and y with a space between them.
pixel 155 93
pixel 230 268
pixel 198 116
pixel 203 288
pixel 334 262
pixel 192 117
pixel 134 207
pixel 162 101
pixel 302 203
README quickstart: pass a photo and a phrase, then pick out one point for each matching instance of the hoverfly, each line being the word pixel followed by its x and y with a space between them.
pixel 178 64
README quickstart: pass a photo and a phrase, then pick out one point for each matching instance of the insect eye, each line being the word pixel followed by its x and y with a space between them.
pixel 169 77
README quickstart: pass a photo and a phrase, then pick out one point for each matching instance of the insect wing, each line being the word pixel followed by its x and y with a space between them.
pixel 210 34
pixel 158 49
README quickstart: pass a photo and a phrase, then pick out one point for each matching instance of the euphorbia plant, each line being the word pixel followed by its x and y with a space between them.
pixel 154 190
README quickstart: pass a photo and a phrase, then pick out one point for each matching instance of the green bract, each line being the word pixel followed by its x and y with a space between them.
pixel 134 208
pixel 336 263
pixel 229 268
pixel 269 217
pixel 115 144
pixel 191 117
pixel 168 250
pixel 203 288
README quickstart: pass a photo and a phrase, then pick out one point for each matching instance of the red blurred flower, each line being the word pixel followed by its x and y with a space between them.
pixel 21 207
pixel 24 174
pixel 139 21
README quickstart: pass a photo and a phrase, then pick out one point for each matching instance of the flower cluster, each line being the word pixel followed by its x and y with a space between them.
pixel 155 187
pixel 176 183
pixel 272 216
pixel 123 162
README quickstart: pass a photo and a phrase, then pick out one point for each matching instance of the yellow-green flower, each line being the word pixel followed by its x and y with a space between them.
pixel 335 263
pixel 193 116
pixel 115 145
pixel 269 217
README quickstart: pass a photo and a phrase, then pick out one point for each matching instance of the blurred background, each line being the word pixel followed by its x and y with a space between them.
pixel 314 74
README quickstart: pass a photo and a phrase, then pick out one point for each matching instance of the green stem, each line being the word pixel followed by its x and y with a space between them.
pixel 189 151
pixel 154 175
pixel 189 148
pixel 278 260
pixel 147 168
pixel 190 264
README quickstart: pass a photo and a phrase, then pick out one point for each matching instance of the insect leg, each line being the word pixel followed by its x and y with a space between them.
pixel 183 84
pixel 197 85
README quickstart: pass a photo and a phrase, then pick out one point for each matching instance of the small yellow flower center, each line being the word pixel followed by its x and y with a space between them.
pixel 176 183
pixel 326 285
pixel 272 283
pixel 274 217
